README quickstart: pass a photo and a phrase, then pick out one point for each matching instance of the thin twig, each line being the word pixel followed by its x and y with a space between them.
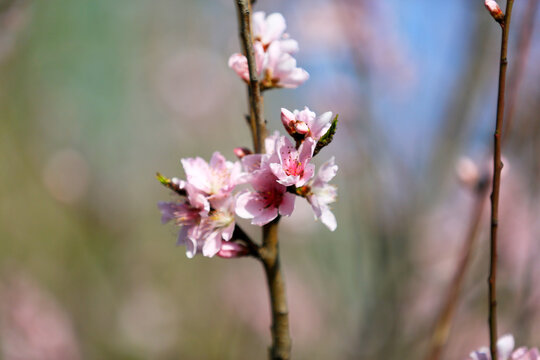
pixel 240 235
pixel 496 184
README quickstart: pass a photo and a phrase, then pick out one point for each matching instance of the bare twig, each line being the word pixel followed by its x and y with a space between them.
pixel 496 184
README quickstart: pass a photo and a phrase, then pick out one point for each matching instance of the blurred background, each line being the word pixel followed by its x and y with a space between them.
pixel 96 96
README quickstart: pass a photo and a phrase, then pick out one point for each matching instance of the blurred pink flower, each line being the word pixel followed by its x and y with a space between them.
pixel 321 194
pixel 268 28
pixel 505 347
pixel 291 166
pixel 32 324
pixel 305 123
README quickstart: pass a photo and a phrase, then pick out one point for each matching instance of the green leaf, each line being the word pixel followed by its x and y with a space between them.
pixel 326 138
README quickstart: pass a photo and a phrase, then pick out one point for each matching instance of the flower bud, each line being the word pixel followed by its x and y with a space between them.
pixel 240 152
pixel 467 172
pixel 495 10
pixel 295 127
pixel 231 250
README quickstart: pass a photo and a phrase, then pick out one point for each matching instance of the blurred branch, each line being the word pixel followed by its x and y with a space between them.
pixel 496 184
pixel 516 76
pixel 446 314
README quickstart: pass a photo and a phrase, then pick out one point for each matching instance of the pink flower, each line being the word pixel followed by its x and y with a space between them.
pixel 320 194
pixel 202 228
pixel 275 66
pixel 274 63
pixel 187 214
pixel 268 199
pixel 292 166
pixel 279 68
pixel 216 179
pixel 268 29
pixel 217 226
pixel 505 345
pixel 238 62
pixel 305 123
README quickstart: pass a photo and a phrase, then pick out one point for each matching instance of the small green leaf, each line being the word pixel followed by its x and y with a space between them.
pixel 326 138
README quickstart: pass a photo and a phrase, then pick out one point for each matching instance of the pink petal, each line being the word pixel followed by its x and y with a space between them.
pixel 218 162
pixel 328 219
pixel 306 150
pixel 191 248
pixel 295 78
pixel 287 204
pixel 249 205
pixel 275 27
pixel 239 64
pixel 327 171
pixel 287 118
pixel 212 244
pixel 265 216
pixel 321 125
pixel 289 46
pixel 258 22
pixel 309 170
pixel 227 233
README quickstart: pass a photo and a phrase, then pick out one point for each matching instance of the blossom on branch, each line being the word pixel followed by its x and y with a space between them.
pixel 275 66
pixel 305 123
pixel 291 166
pixel 320 194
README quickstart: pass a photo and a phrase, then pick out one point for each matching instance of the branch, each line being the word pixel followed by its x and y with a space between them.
pixel 269 254
pixel 446 314
pixel 256 117
pixel 240 235
pixel 496 184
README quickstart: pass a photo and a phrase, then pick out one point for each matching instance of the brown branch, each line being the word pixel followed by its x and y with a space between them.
pixel 256 117
pixel 269 254
pixel 240 235
pixel 496 184
pixel 446 314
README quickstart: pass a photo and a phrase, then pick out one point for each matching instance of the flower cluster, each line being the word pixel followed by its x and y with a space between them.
pixel 276 67
pixel 263 186
pixel 505 351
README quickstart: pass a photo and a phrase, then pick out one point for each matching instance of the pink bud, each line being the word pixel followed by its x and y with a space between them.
pixel 231 250
pixel 240 152
pixel 288 119
pixel 494 10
